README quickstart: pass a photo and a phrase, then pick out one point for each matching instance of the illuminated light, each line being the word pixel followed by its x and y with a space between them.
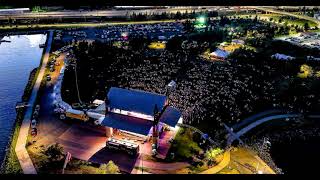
pixel 202 20
pixel 306 71
pixel 133 114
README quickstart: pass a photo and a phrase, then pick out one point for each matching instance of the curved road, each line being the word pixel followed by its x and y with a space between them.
pixel 258 122
pixel 287 13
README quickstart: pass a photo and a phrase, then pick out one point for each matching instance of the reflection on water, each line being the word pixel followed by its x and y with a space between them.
pixel 17 59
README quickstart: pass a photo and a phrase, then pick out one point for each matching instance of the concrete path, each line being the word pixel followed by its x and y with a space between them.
pixel 258 122
pixel 254 117
pixel 21 151
pixel 225 161
pixel 162 166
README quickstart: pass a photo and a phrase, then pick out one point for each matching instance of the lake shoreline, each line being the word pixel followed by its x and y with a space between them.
pixel 10 163
pixel 10 152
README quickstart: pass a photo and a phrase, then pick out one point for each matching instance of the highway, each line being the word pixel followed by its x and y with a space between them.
pixel 98 13
pixel 286 13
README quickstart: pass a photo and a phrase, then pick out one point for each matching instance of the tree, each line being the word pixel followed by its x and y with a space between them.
pixel 54 152
pixel 306 26
pixel 109 168
pixel 184 145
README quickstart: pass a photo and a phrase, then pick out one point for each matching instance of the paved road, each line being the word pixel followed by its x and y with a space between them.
pixel 254 117
pixel 97 13
pixel 225 161
pixel 22 154
pixel 288 14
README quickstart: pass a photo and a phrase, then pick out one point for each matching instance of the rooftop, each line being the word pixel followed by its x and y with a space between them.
pixel 135 100
pixel 127 123
pixel 170 116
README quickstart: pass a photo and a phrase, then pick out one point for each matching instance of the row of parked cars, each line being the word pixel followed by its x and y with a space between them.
pixel 34 121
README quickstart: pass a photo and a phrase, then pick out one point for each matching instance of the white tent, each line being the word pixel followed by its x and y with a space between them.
pixel 219 53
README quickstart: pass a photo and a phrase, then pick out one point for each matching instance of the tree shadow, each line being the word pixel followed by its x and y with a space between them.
pixel 124 161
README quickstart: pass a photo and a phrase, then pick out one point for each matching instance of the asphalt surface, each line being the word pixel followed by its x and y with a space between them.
pixel 98 13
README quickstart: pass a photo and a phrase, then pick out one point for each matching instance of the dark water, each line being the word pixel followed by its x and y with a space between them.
pixel 17 59
pixel 297 156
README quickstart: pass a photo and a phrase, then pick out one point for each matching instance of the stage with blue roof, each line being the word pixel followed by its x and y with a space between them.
pixel 135 100
pixel 128 123
pixel 133 110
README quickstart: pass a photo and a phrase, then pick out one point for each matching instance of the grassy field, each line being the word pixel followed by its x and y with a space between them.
pixel 299 22
pixel 244 161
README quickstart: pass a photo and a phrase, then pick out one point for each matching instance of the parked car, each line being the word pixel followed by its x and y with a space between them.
pixel 34 132
pixel 37 108
pixel 36 113
pixel 33 123
pixel 48 77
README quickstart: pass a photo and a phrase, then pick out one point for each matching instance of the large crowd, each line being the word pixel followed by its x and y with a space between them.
pixel 205 92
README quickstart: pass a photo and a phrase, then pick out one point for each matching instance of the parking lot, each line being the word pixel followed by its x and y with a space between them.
pixel 161 31
pixel 311 40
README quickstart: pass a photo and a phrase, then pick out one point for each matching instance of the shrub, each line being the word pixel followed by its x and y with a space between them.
pixel 184 145
pixel 212 154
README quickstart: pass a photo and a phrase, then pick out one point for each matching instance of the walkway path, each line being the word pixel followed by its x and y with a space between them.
pixel 225 161
pixel 254 117
pixel 258 122
pixel 162 166
pixel 21 151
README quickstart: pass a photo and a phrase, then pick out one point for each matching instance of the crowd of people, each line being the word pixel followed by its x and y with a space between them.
pixel 207 93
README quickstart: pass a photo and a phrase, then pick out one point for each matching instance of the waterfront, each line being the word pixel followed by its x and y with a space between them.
pixel 17 59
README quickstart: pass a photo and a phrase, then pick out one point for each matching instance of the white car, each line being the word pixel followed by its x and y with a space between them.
pixel 58 110
pixel 37 108
pixel 33 123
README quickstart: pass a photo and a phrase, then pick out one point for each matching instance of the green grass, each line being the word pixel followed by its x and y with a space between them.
pixel 299 22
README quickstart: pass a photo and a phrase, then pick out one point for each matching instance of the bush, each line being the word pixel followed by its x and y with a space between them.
pixel 109 168
pixel 184 145
pixel 54 152
pixel 212 154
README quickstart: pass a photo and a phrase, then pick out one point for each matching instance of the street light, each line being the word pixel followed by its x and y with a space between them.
pixel 202 20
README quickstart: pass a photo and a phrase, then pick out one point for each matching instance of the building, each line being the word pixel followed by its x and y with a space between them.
pixel 238 41
pixel 219 54
pixel 283 57
pixel 138 113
